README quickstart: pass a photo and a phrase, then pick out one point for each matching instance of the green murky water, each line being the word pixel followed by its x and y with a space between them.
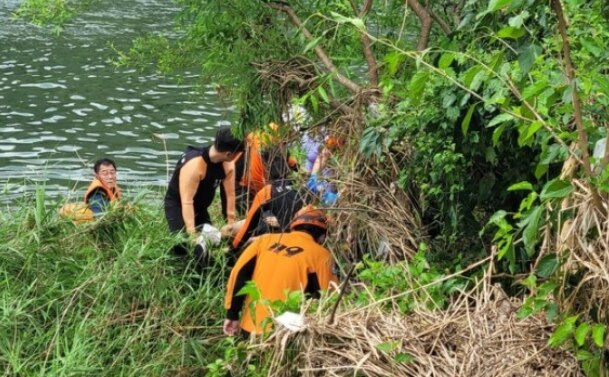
pixel 63 104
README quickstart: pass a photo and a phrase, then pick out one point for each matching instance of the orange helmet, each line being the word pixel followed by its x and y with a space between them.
pixel 310 215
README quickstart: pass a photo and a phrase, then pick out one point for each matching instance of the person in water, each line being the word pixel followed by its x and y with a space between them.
pixel 193 185
pixel 103 189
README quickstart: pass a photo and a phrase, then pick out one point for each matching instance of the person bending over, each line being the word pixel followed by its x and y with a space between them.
pixel 192 187
pixel 279 264
pixel 273 207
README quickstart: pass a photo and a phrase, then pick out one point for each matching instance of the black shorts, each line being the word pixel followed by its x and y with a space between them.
pixel 173 215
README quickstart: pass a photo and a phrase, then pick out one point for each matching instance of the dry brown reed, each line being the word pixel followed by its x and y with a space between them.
pixel 582 238
pixel 376 215
pixel 479 335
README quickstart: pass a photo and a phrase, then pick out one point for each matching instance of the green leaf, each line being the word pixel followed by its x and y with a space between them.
pixel 547 265
pixel 497 133
pixel 527 131
pixel 470 74
pixel 598 334
pixel 323 94
pixel 530 233
pixel 526 57
pixel 501 118
pixel 417 85
pixel 311 44
pixel 497 216
pixel 551 311
pixel 314 102
pixel 357 22
pixel 386 347
pixel 530 282
pixel 494 5
pixel 583 355
pixel 524 185
pixel 535 89
pixel 402 357
pixel 496 61
pixel 393 61
pixel 517 21
pixel 510 32
pixel 562 333
pixel 468 118
pixel 581 333
pixel 526 203
pixel 556 188
pixel 446 60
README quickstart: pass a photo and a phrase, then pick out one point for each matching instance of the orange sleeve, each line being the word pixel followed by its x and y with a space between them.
pixel 229 188
pixel 191 175
pixel 240 274
pixel 255 171
pixel 253 215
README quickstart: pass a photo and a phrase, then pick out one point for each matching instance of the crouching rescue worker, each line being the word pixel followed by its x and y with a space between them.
pixel 273 207
pixel 192 187
pixel 101 192
pixel 278 264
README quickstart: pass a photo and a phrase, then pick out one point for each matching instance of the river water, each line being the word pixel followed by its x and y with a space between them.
pixel 64 104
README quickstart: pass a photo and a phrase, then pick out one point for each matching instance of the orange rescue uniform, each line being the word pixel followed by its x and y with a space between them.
pixel 255 173
pixel 261 197
pixel 277 263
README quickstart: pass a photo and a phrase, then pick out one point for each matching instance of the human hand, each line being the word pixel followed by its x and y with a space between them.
pixel 227 230
pixel 230 327
pixel 272 221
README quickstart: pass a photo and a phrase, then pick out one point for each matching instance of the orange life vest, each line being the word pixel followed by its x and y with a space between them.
pixel 112 194
pixel 79 213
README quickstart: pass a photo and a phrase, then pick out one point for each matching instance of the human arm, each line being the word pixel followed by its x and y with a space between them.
pixel 191 175
pixel 252 218
pixel 321 275
pixel 321 160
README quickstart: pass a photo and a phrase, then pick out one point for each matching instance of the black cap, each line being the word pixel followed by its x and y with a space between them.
pixel 227 142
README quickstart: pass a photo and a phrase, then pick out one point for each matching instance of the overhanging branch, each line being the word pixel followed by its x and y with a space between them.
pixel 321 54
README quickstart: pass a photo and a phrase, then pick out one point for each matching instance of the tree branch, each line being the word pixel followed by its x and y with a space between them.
pixel 577 113
pixel 373 74
pixel 425 19
pixel 443 24
pixel 321 54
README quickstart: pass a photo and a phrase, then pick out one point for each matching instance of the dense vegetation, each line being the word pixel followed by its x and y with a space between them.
pixel 477 118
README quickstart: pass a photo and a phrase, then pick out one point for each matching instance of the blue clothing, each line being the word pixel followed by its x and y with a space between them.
pixel 98 202
pixel 324 189
pixel 311 148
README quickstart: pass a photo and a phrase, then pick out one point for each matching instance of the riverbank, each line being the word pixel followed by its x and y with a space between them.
pixel 103 298
pixel 106 299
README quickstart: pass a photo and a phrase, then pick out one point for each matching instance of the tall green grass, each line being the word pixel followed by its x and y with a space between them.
pixel 103 298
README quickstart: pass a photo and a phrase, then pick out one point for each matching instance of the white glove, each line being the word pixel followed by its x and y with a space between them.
pixel 209 235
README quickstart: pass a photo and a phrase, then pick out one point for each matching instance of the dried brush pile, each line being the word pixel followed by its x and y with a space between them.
pixel 376 214
pixel 583 240
pixel 477 336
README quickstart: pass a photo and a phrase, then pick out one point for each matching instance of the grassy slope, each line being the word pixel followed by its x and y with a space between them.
pixel 102 299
